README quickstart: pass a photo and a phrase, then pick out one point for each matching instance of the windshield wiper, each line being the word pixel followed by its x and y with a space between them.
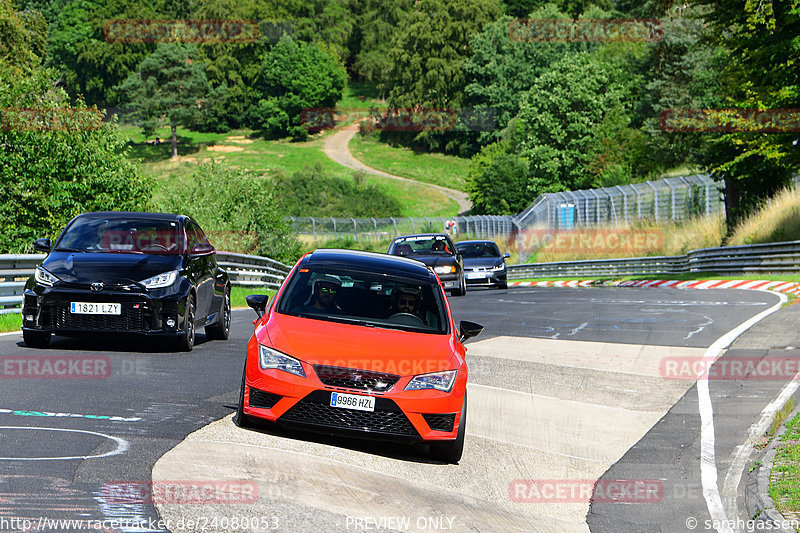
pixel 60 249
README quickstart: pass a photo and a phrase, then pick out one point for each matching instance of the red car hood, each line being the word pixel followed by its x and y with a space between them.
pixel 352 346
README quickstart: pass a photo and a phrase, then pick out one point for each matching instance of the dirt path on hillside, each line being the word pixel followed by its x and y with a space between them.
pixel 336 147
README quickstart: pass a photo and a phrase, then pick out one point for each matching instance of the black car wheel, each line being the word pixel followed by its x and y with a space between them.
pixel 186 340
pixel 462 288
pixel 222 328
pixel 503 285
pixel 451 451
pixel 36 339
pixel 241 419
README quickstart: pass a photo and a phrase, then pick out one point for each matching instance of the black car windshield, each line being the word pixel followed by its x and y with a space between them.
pixel 478 249
pixel 122 235
pixel 366 299
pixel 422 246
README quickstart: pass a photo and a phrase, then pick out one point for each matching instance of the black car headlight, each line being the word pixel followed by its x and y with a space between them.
pixel 161 280
pixel 45 278
pixel 444 269
pixel 498 268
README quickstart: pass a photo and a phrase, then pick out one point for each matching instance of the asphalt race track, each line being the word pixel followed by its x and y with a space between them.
pixel 567 387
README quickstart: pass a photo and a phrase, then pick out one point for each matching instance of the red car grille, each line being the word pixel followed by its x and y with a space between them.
pixel 352 378
pixel 387 419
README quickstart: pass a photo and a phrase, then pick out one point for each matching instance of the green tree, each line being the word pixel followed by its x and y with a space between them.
pixel 761 72
pixel 431 49
pixel 378 21
pixel 559 117
pixel 169 87
pixel 296 76
pixel 500 70
pixel 54 169
pixel 23 36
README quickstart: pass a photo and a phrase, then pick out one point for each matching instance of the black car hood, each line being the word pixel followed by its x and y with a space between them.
pixel 108 267
pixel 482 262
pixel 433 260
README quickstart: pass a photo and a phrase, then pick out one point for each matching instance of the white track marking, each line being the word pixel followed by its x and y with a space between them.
pixel 122 445
pixel 708 465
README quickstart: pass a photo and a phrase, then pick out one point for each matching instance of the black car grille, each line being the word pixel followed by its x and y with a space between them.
pixel 387 419
pixel 440 422
pixel 263 399
pixel 353 378
pixel 129 320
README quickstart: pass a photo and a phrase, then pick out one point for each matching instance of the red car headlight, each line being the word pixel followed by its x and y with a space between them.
pixel 441 381
pixel 274 360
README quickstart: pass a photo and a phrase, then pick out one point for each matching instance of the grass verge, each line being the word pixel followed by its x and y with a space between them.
pixel 784 484
pixel 439 169
pixel 241 149
pixel 10 322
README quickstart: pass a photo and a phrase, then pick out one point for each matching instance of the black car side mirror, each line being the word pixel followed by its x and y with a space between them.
pixel 506 255
pixel 467 330
pixel 42 245
pixel 258 302
pixel 201 248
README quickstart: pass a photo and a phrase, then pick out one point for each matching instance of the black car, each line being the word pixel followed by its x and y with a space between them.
pixel 438 252
pixel 483 263
pixel 127 272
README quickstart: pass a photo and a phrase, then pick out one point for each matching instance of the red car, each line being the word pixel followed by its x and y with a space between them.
pixel 363 345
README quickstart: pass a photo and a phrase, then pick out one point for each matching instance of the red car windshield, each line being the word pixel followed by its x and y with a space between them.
pixel 366 299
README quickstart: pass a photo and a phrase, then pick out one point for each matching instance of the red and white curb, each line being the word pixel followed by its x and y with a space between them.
pixel 785 287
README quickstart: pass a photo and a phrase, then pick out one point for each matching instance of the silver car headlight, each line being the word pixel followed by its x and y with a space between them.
pixel 441 381
pixel 273 359
pixel 160 281
pixel 43 277
pixel 444 269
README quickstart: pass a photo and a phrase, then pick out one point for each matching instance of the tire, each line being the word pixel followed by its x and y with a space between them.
pixel 241 419
pixel 462 289
pixel 451 451
pixel 186 340
pixel 222 329
pixel 503 285
pixel 36 339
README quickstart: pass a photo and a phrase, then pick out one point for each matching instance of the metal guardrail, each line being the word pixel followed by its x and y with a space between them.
pixel 782 257
pixel 250 270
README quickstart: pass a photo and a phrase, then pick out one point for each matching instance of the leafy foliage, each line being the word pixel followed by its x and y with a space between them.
pixel 49 174
pixel 296 76
pixel 311 190
pixel 239 212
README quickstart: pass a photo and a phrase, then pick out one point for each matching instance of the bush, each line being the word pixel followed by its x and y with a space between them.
pixel 238 211
pixel 311 192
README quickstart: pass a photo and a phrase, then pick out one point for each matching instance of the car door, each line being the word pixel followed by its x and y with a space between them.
pixel 201 268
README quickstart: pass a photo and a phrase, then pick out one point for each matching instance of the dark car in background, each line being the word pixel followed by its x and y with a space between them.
pixel 483 263
pixel 127 272
pixel 438 252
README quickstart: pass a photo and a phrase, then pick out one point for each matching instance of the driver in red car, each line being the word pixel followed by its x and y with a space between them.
pixel 407 300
